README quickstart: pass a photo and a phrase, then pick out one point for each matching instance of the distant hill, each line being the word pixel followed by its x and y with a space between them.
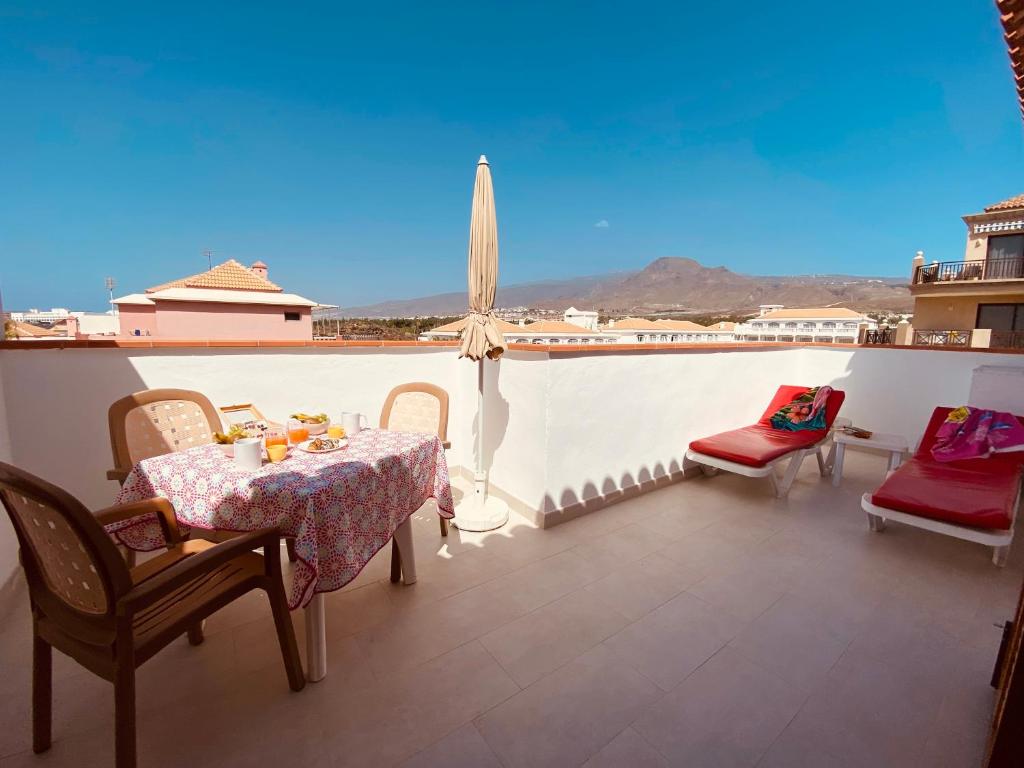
pixel 669 284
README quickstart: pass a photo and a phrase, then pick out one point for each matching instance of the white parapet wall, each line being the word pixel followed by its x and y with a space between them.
pixel 565 430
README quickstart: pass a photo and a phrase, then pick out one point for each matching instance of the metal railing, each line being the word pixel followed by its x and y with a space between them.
pixel 962 271
pixel 1007 340
pixel 878 336
pixel 952 338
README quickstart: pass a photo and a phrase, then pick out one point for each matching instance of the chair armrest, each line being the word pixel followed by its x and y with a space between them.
pixel 182 572
pixel 118 474
pixel 158 506
pixel 446 444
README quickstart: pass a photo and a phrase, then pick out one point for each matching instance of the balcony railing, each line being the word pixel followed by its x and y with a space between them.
pixel 878 336
pixel 953 338
pixel 963 271
pixel 1007 340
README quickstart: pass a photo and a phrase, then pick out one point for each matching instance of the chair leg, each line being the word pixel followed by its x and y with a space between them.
pixel 286 636
pixel 42 694
pixel 129 557
pixel 876 523
pixel 1000 555
pixel 124 712
pixel 444 525
pixel 396 563
pixel 290 546
pixel 195 634
pixel 782 486
pixel 822 465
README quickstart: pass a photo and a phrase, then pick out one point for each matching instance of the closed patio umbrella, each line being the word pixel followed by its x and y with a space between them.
pixel 481 340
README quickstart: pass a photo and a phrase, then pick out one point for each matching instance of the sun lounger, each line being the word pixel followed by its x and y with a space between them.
pixel 755 450
pixel 974 499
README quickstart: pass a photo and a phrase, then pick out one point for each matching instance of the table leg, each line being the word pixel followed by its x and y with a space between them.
pixel 895 459
pixel 403 538
pixel 837 464
pixel 316 639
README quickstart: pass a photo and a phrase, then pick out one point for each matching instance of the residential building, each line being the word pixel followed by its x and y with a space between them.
pixel 822 324
pixel 41 317
pixel 581 317
pixel 977 301
pixel 451 331
pixel 637 330
pixel 229 301
pixel 556 332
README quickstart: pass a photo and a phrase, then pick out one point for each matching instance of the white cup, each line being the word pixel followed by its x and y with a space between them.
pixel 353 422
pixel 248 452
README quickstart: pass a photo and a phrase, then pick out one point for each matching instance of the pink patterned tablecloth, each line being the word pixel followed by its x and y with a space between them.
pixel 341 507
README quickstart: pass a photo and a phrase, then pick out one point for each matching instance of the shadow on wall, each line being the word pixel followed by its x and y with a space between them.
pixel 496 415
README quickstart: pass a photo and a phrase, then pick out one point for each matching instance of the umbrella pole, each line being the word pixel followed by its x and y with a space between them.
pixel 480 512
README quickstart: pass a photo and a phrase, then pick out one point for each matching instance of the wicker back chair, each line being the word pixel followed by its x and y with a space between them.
pixel 154 422
pixel 418 407
pixel 90 605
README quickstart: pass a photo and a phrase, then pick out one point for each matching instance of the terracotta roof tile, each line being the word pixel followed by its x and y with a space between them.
pixel 230 276
pixel 1006 205
pixel 635 324
pixel 556 326
pixel 680 325
pixel 815 312
pixel 457 325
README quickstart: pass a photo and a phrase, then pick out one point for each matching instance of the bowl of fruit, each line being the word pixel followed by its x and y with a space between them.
pixel 226 442
pixel 315 424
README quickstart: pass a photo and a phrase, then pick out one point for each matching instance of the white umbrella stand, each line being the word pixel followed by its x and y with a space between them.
pixel 481 339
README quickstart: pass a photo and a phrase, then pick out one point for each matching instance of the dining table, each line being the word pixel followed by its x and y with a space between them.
pixel 340 507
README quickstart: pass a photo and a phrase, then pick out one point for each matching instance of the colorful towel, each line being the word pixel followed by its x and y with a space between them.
pixel 807 411
pixel 974 433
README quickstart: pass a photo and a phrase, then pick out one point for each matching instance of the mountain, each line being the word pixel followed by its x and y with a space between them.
pixel 670 284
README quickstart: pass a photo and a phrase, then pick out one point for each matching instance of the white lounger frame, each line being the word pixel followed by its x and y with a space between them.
pixel 999 540
pixel 781 485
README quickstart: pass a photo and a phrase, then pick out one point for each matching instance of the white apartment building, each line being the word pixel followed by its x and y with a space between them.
pixel 584 318
pixel 42 317
pixel 822 324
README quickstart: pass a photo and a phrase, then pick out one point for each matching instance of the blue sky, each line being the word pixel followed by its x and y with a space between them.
pixel 339 143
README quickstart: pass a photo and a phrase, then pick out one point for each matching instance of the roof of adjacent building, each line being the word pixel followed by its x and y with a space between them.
pixel 229 276
pixel 722 326
pixel 1006 205
pixel 635 324
pixel 679 325
pixel 557 326
pixel 1011 14
pixel 218 296
pixel 454 327
pixel 813 312
pixel 21 330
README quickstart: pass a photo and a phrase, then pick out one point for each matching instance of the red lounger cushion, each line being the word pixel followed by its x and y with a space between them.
pixel 980 493
pixel 760 443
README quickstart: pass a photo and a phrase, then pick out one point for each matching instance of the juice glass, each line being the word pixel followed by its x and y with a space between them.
pixel 297 431
pixel 275 436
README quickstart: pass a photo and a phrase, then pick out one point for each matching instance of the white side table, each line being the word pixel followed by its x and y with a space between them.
pixel 896 445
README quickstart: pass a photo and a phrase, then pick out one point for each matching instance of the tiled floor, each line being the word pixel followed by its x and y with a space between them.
pixel 706 624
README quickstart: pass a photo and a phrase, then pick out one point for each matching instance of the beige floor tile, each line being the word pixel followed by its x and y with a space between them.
pixel 569 715
pixel 636 589
pixel 462 748
pixel 793 640
pixel 727 713
pixel 745 593
pixel 540 642
pixel 620 547
pixel 627 749
pixel 449 691
pixel 675 639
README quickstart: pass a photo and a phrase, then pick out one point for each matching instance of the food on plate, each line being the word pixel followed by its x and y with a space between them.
pixel 322 444
pixel 238 431
pixel 319 418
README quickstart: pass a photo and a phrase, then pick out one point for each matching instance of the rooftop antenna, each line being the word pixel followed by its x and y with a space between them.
pixel 209 258
pixel 110 283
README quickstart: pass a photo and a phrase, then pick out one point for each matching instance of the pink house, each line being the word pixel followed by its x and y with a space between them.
pixel 230 301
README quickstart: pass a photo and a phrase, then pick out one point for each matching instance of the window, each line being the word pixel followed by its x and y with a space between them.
pixel 828 325
pixel 1001 317
pixel 773 325
pixel 292 317
pixel 790 325
pixel 639 337
pixel 1006 247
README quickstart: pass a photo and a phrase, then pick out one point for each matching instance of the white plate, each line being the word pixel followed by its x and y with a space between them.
pixel 304 446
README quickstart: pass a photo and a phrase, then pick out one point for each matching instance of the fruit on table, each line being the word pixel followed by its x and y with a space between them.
pixel 319 418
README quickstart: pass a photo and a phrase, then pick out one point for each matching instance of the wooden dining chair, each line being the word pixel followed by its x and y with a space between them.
pixel 87 603
pixel 418 407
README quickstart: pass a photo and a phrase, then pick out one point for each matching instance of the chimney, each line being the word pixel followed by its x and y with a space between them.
pixel 259 268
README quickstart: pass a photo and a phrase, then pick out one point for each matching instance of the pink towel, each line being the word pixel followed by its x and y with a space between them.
pixel 974 433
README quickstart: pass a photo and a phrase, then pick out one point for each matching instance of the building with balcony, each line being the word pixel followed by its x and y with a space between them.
pixel 229 301
pixel 979 300
pixel 823 324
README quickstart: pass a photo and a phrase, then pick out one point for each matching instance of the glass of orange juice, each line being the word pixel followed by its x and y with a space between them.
pixel 297 431
pixel 275 436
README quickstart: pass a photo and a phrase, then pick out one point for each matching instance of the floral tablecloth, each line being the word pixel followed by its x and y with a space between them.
pixel 341 507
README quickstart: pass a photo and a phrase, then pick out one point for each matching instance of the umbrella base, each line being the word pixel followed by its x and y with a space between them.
pixel 480 513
